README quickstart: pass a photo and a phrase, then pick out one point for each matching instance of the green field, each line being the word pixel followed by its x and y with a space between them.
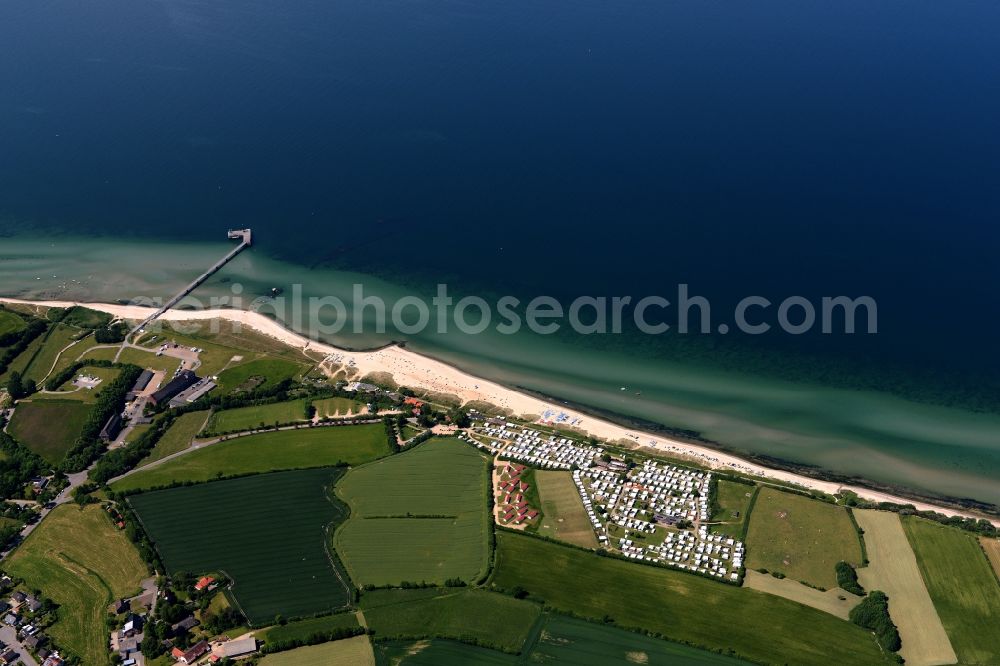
pixel 267 532
pixel 143 359
pixel 259 416
pixel 962 586
pixel 679 606
pixel 487 618
pixel 563 515
pixel 58 337
pixel 337 407
pixel 22 359
pixel 566 640
pixel 733 500
pixel 355 651
pixel 79 560
pixel 10 322
pixel 432 526
pixel 300 630
pixel 266 452
pixel 439 652
pixel 70 392
pixel 49 427
pixel 261 373
pixel 178 437
pixel 800 537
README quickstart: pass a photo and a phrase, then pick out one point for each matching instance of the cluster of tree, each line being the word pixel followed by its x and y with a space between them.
pixel 18 387
pixel 847 579
pixel 111 334
pixel 118 461
pixel 18 466
pixel 873 613
pixel 390 434
pixel 88 445
pixel 313 639
pixel 66 374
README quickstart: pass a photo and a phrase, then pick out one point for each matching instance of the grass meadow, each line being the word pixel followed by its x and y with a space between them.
pixel 49 427
pixel 10 322
pixel 267 532
pixel 58 337
pixel 679 606
pixel 962 585
pixel 800 537
pixel 734 500
pixel 266 452
pixel 258 416
pixel 563 514
pixel 480 616
pixel 258 374
pixel 178 437
pixel 432 526
pixel 337 406
pixel 440 652
pixel 356 651
pixel 79 560
pixel 566 640
pixel 303 629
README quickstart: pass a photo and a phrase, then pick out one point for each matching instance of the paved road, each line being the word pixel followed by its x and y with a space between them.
pixel 9 636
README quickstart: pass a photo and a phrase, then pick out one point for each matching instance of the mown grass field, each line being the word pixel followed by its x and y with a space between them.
pixel 835 601
pixel 261 416
pixel 258 374
pixel 49 427
pixel 488 618
pixel 178 437
pixel 432 526
pixel 268 532
pixel 337 407
pixel 733 500
pixel 800 537
pixel 439 652
pixel 303 629
pixel 962 586
pixel 22 359
pixel 106 375
pixel 143 359
pixel 355 651
pixel 566 640
pixel 10 322
pixel 56 339
pixel 991 547
pixel 79 560
pixel 892 568
pixel 563 515
pixel 679 606
pixel 266 452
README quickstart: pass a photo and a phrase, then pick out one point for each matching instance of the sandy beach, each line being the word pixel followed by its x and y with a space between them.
pixel 421 372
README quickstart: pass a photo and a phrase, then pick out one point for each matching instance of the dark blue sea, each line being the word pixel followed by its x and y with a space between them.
pixel 771 148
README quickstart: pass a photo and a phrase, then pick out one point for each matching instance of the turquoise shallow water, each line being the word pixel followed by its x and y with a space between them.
pixel 933 448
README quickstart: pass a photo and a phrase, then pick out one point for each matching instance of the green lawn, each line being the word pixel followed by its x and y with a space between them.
pixel 58 337
pixel 302 629
pixel 563 514
pixel 480 616
pixel 49 427
pixel 432 526
pixel 962 586
pixel 733 500
pixel 800 537
pixel 679 606
pixel 270 451
pixel 107 375
pixel 250 418
pixel 337 407
pixel 258 374
pixel 355 651
pixel 566 640
pixel 178 437
pixel 10 322
pixel 268 532
pixel 79 560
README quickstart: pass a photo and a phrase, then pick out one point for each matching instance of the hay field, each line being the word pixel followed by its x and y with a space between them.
pixel 563 514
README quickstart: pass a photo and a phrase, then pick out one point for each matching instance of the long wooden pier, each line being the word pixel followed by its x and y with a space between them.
pixel 243 235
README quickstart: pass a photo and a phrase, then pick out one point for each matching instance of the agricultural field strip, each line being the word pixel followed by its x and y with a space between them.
pixel 268 532
pixel 620 503
pixel 564 515
pixel 893 569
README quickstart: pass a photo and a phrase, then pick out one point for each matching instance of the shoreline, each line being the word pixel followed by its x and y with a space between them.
pixel 416 370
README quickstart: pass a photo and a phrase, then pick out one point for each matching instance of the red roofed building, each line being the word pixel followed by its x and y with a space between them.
pixel 204 582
